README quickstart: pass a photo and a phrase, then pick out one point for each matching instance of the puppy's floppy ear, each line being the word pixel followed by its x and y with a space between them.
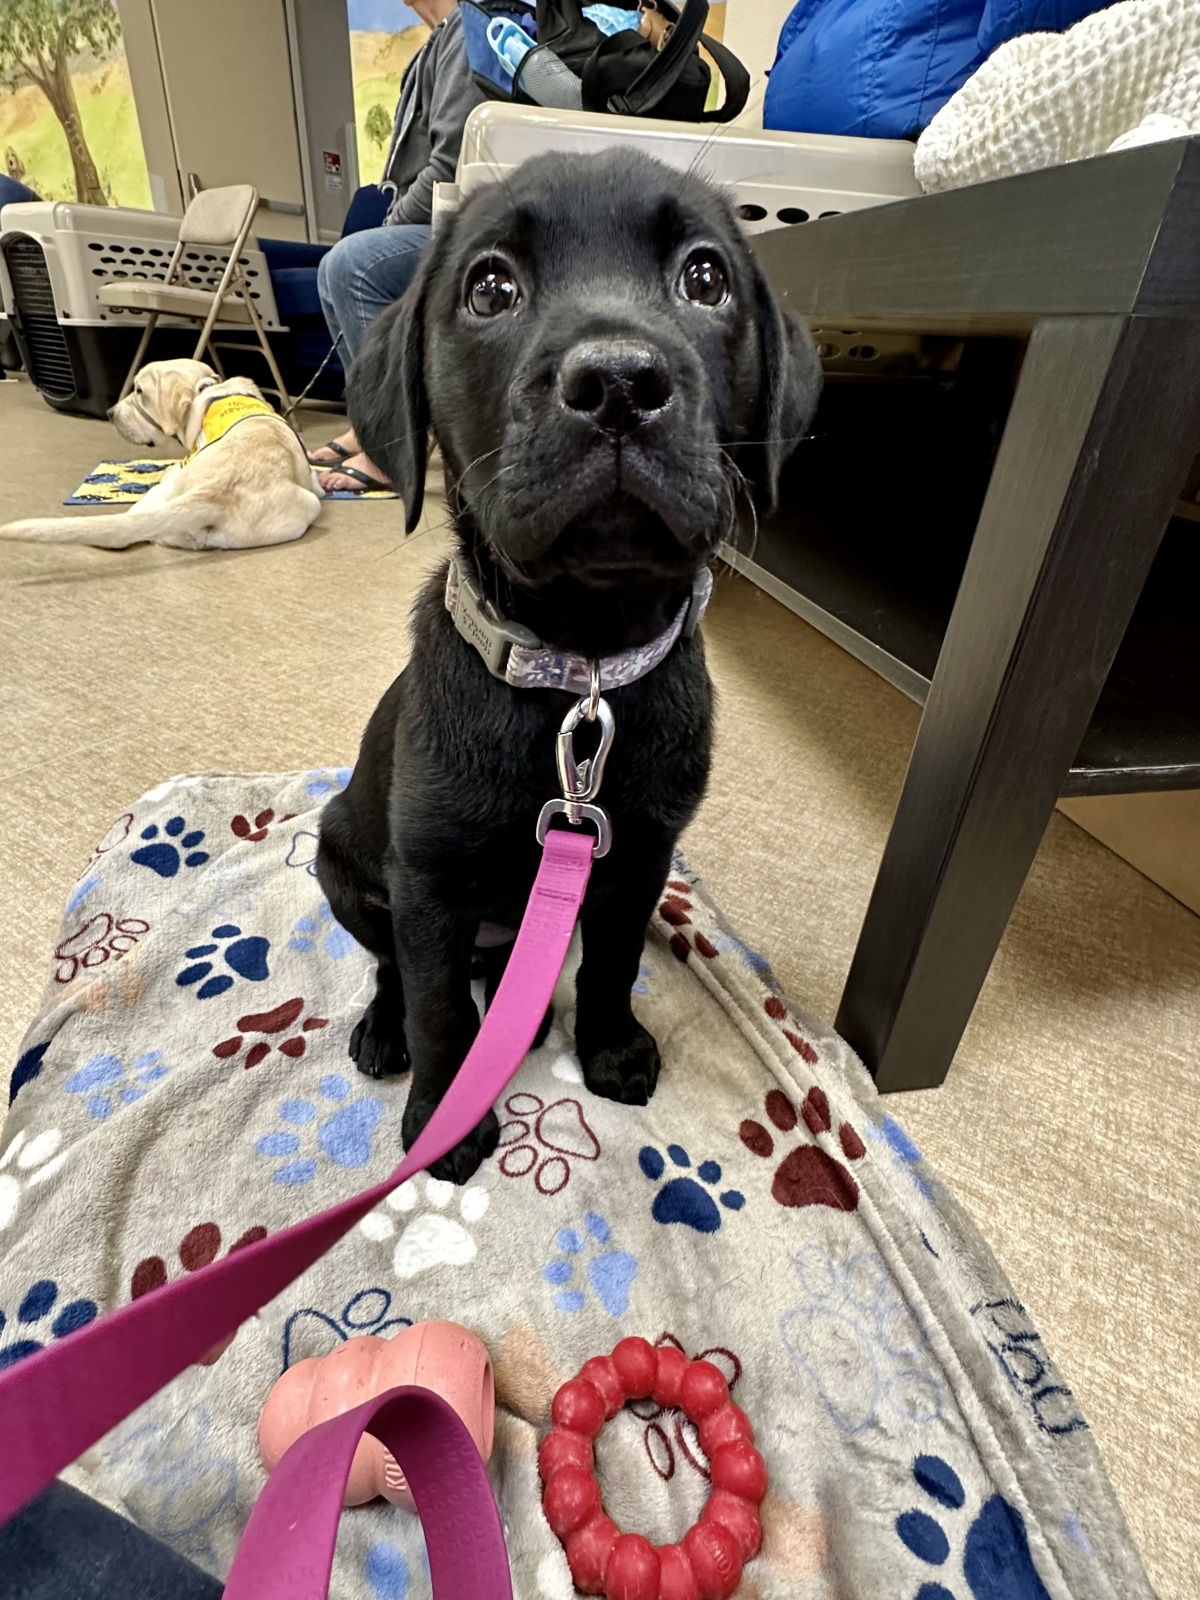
pixel 790 385
pixel 386 398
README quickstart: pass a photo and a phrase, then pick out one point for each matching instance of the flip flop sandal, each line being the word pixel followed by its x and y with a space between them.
pixel 338 449
pixel 365 478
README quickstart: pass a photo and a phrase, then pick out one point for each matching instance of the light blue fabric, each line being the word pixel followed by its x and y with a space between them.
pixel 613 19
pixel 882 70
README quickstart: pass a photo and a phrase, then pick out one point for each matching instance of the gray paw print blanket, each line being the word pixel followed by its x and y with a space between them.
pixel 185 1087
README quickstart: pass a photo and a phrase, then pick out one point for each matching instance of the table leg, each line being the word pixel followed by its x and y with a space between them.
pixel 1104 422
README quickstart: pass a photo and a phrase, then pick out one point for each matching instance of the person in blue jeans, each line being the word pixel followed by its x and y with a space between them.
pixel 365 272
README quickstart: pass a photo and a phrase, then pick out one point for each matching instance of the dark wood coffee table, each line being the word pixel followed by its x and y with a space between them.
pixel 1097 265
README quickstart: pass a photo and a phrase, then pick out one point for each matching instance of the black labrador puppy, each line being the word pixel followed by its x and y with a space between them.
pixel 614 390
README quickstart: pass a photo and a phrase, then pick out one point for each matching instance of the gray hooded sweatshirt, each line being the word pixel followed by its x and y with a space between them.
pixel 437 94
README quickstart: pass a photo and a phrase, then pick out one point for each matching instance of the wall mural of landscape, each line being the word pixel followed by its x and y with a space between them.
pixel 68 124
pixel 384 37
pixel 68 127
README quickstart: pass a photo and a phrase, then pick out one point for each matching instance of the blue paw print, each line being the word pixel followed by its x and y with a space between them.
pixel 245 956
pixel 683 1199
pixel 857 1341
pixel 368 1311
pixel 27 1069
pixel 905 1152
pixel 324 931
pixel 995 1560
pixel 345 1136
pixel 1025 1362
pixel 165 856
pixel 387 1571
pixel 645 973
pixel 81 892
pixel 38 1302
pixel 107 1082
pixel 609 1273
pixel 173 1464
pixel 329 782
pixel 303 852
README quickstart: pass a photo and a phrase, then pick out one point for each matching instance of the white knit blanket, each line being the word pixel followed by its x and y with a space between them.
pixel 1126 75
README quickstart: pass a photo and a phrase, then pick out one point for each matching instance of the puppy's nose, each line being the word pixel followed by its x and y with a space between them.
pixel 616 383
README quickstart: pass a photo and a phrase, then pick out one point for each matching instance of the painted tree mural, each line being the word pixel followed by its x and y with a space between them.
pixel 37 40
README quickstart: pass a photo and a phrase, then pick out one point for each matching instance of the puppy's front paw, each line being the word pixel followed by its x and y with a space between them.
pixel 464 1161
pixel 377 1045
pixel 626 1072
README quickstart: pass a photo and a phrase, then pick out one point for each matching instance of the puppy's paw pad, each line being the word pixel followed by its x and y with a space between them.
pixel 377 1046
pixel 461 1164
pixel 626 1073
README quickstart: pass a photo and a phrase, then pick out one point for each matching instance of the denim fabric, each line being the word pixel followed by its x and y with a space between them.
pixel 362 275
pixel 67 1547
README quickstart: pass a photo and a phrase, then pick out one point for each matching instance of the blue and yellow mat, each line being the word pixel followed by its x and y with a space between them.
pixel 120 483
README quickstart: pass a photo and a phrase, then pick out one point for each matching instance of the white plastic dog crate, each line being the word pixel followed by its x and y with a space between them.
pixel 54 255
pixel 776 180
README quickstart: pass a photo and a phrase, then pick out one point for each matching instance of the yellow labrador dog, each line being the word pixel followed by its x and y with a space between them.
pixel 245 481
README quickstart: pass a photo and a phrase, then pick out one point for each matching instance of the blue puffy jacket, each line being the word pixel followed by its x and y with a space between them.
pixel 882 68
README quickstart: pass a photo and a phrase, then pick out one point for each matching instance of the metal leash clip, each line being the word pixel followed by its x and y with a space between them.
pixel 581 780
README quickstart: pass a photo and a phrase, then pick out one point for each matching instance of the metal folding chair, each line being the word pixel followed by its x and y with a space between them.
pixel 215 217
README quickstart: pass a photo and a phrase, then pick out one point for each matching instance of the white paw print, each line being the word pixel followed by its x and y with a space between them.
pixel 431 1239
pixel 163 789
pixel 566 1068
pixel 25 1164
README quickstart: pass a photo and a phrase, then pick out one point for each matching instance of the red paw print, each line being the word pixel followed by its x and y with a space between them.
pixel 271 1022
pixel 675 908
pixel 670 1438
pixel 778 1012
pixel 101 938
pixel 116 835
pixel 807 1176
pixel 257 829
pixel 545 1139
pixel 198 1247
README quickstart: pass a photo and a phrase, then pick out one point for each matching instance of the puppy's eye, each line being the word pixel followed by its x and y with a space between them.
pixel 492 289
pixel 703 280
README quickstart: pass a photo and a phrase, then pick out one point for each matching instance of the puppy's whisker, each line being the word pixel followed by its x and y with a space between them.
pixel 411 538
pixel 740 485
pixel 478 461
pixel 386 444
pixel 789 439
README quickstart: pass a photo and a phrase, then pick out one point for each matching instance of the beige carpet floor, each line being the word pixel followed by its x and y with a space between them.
pixel 1069 1122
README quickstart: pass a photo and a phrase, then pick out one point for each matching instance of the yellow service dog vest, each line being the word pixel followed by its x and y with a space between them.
pixel 224 412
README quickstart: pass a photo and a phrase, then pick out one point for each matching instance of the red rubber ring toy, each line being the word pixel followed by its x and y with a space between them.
pixel 707 1562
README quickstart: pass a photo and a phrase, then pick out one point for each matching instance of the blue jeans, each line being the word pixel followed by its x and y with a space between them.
pixel 66 1546
pixel 362 275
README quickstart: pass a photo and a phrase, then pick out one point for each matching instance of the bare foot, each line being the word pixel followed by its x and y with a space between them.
pixel 325 456
pixel 340 478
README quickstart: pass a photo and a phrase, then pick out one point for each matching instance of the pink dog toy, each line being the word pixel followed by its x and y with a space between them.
pixel 434 1355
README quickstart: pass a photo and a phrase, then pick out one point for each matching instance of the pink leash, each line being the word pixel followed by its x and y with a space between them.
pixel 56 1404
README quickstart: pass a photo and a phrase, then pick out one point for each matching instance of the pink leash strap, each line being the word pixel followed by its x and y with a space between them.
pixel 56 1404
pixel 287 1549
